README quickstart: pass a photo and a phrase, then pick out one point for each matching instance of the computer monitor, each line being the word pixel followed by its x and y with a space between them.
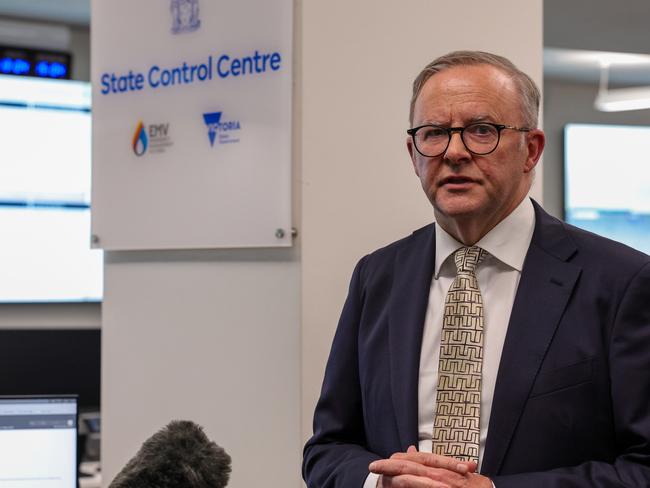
pixel 598 195
pixel 52 362
pixel 38 442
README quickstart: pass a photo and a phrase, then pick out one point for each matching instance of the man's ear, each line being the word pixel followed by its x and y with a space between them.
pixel 411 150
pixel 535 142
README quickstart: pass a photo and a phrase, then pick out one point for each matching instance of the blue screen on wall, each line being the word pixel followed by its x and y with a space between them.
pixel 607 181
pixel 45 133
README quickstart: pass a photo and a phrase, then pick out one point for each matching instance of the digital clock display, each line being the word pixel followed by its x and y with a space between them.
pixel 19 61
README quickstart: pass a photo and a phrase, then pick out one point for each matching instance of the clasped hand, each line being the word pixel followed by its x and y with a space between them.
pixel 413 469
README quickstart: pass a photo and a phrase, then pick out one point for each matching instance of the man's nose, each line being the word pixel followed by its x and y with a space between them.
pixel 456 152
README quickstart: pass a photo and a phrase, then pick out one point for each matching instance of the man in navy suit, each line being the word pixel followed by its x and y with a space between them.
pixel 565 385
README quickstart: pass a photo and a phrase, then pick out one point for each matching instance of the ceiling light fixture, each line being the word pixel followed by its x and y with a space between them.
pixel 619 99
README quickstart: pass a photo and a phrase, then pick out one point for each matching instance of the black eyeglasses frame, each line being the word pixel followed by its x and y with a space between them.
pixel 461 131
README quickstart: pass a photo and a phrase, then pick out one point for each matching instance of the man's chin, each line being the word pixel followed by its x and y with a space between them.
pixel 459 207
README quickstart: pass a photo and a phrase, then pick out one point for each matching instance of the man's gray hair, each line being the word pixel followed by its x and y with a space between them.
pixel 530 95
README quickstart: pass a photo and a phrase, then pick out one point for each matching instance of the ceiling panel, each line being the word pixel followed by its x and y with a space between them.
pixel 67 11
pixel 598 25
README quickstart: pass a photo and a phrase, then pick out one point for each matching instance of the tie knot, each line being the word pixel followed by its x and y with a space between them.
pixel 467 258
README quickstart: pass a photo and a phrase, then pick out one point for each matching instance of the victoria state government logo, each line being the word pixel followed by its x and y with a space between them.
pixel 152 138
pixel 185 16
pixel 220 131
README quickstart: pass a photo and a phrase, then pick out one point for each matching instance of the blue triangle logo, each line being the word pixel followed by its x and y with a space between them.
pixel 212 121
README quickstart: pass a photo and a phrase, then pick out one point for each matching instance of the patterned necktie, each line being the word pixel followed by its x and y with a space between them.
pixel 456 430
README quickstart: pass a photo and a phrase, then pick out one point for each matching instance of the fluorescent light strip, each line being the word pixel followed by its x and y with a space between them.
pixel 622 99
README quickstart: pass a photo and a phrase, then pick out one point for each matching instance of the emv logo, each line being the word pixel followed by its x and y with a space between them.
pixel 153 138
pixel 158 130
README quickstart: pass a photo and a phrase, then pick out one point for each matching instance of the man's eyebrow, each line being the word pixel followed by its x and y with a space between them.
pixel 472 120
pixel 481 118
pixel 431 122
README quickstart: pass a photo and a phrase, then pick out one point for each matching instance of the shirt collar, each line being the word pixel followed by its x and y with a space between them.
pixel 508 241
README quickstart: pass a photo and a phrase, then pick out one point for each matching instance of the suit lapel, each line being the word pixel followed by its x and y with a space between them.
pixel 547 281
pixel 413 271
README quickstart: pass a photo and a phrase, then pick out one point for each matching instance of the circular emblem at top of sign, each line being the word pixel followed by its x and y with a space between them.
pixel 185 16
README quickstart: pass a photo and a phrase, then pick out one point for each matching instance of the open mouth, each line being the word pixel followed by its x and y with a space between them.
pixel 456 180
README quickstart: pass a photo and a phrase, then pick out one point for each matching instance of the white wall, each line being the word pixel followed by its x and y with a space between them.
pixel 50 316
pixel 80 48
pixel 359 190
pixel 237 340
pixel 211 337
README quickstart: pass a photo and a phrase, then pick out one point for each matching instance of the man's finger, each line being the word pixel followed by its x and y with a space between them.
pixel 401 467
pixel 437 461
pixel 395 467
pixel 411 481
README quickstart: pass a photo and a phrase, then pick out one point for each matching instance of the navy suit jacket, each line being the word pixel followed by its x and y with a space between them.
pixel 571 404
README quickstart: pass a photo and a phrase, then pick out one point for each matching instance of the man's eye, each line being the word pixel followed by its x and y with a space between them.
pixel 481 130
pixel 433 133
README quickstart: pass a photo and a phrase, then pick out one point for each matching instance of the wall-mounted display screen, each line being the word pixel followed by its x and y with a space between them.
pixel 31 62
pixel 45 254
pixel 607 181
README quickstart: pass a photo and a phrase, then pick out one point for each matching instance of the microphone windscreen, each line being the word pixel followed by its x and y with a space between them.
pixel 178 456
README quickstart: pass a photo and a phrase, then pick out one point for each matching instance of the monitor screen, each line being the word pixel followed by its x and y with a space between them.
pixel 38 442
pixel 52 362
pixel 607 181
pixel 45 253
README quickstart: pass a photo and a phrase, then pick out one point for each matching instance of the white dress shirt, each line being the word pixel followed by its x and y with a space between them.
pixel 498 278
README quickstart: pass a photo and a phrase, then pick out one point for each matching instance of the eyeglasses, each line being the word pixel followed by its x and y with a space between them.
pixel 481 138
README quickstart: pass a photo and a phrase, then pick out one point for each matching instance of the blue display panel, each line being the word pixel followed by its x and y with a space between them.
pixel 607 181
pixel 31 62
pixel 45 169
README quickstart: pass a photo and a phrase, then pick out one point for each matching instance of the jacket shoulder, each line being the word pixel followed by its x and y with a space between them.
pixel 389 251
pixel 610 253
pixel 580 246
pixel 381 261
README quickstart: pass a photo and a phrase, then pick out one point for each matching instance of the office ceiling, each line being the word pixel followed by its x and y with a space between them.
pixel 578 65
pixel 576 30
pixel 598 25
pixel 76 12
pixel 593 25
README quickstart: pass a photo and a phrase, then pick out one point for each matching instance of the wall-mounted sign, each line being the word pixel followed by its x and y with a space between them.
pixel 191 123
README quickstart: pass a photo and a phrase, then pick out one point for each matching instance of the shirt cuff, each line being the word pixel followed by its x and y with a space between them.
pixel 371 481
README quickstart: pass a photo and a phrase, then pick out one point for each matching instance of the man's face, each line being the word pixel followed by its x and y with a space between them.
pixel 463 187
